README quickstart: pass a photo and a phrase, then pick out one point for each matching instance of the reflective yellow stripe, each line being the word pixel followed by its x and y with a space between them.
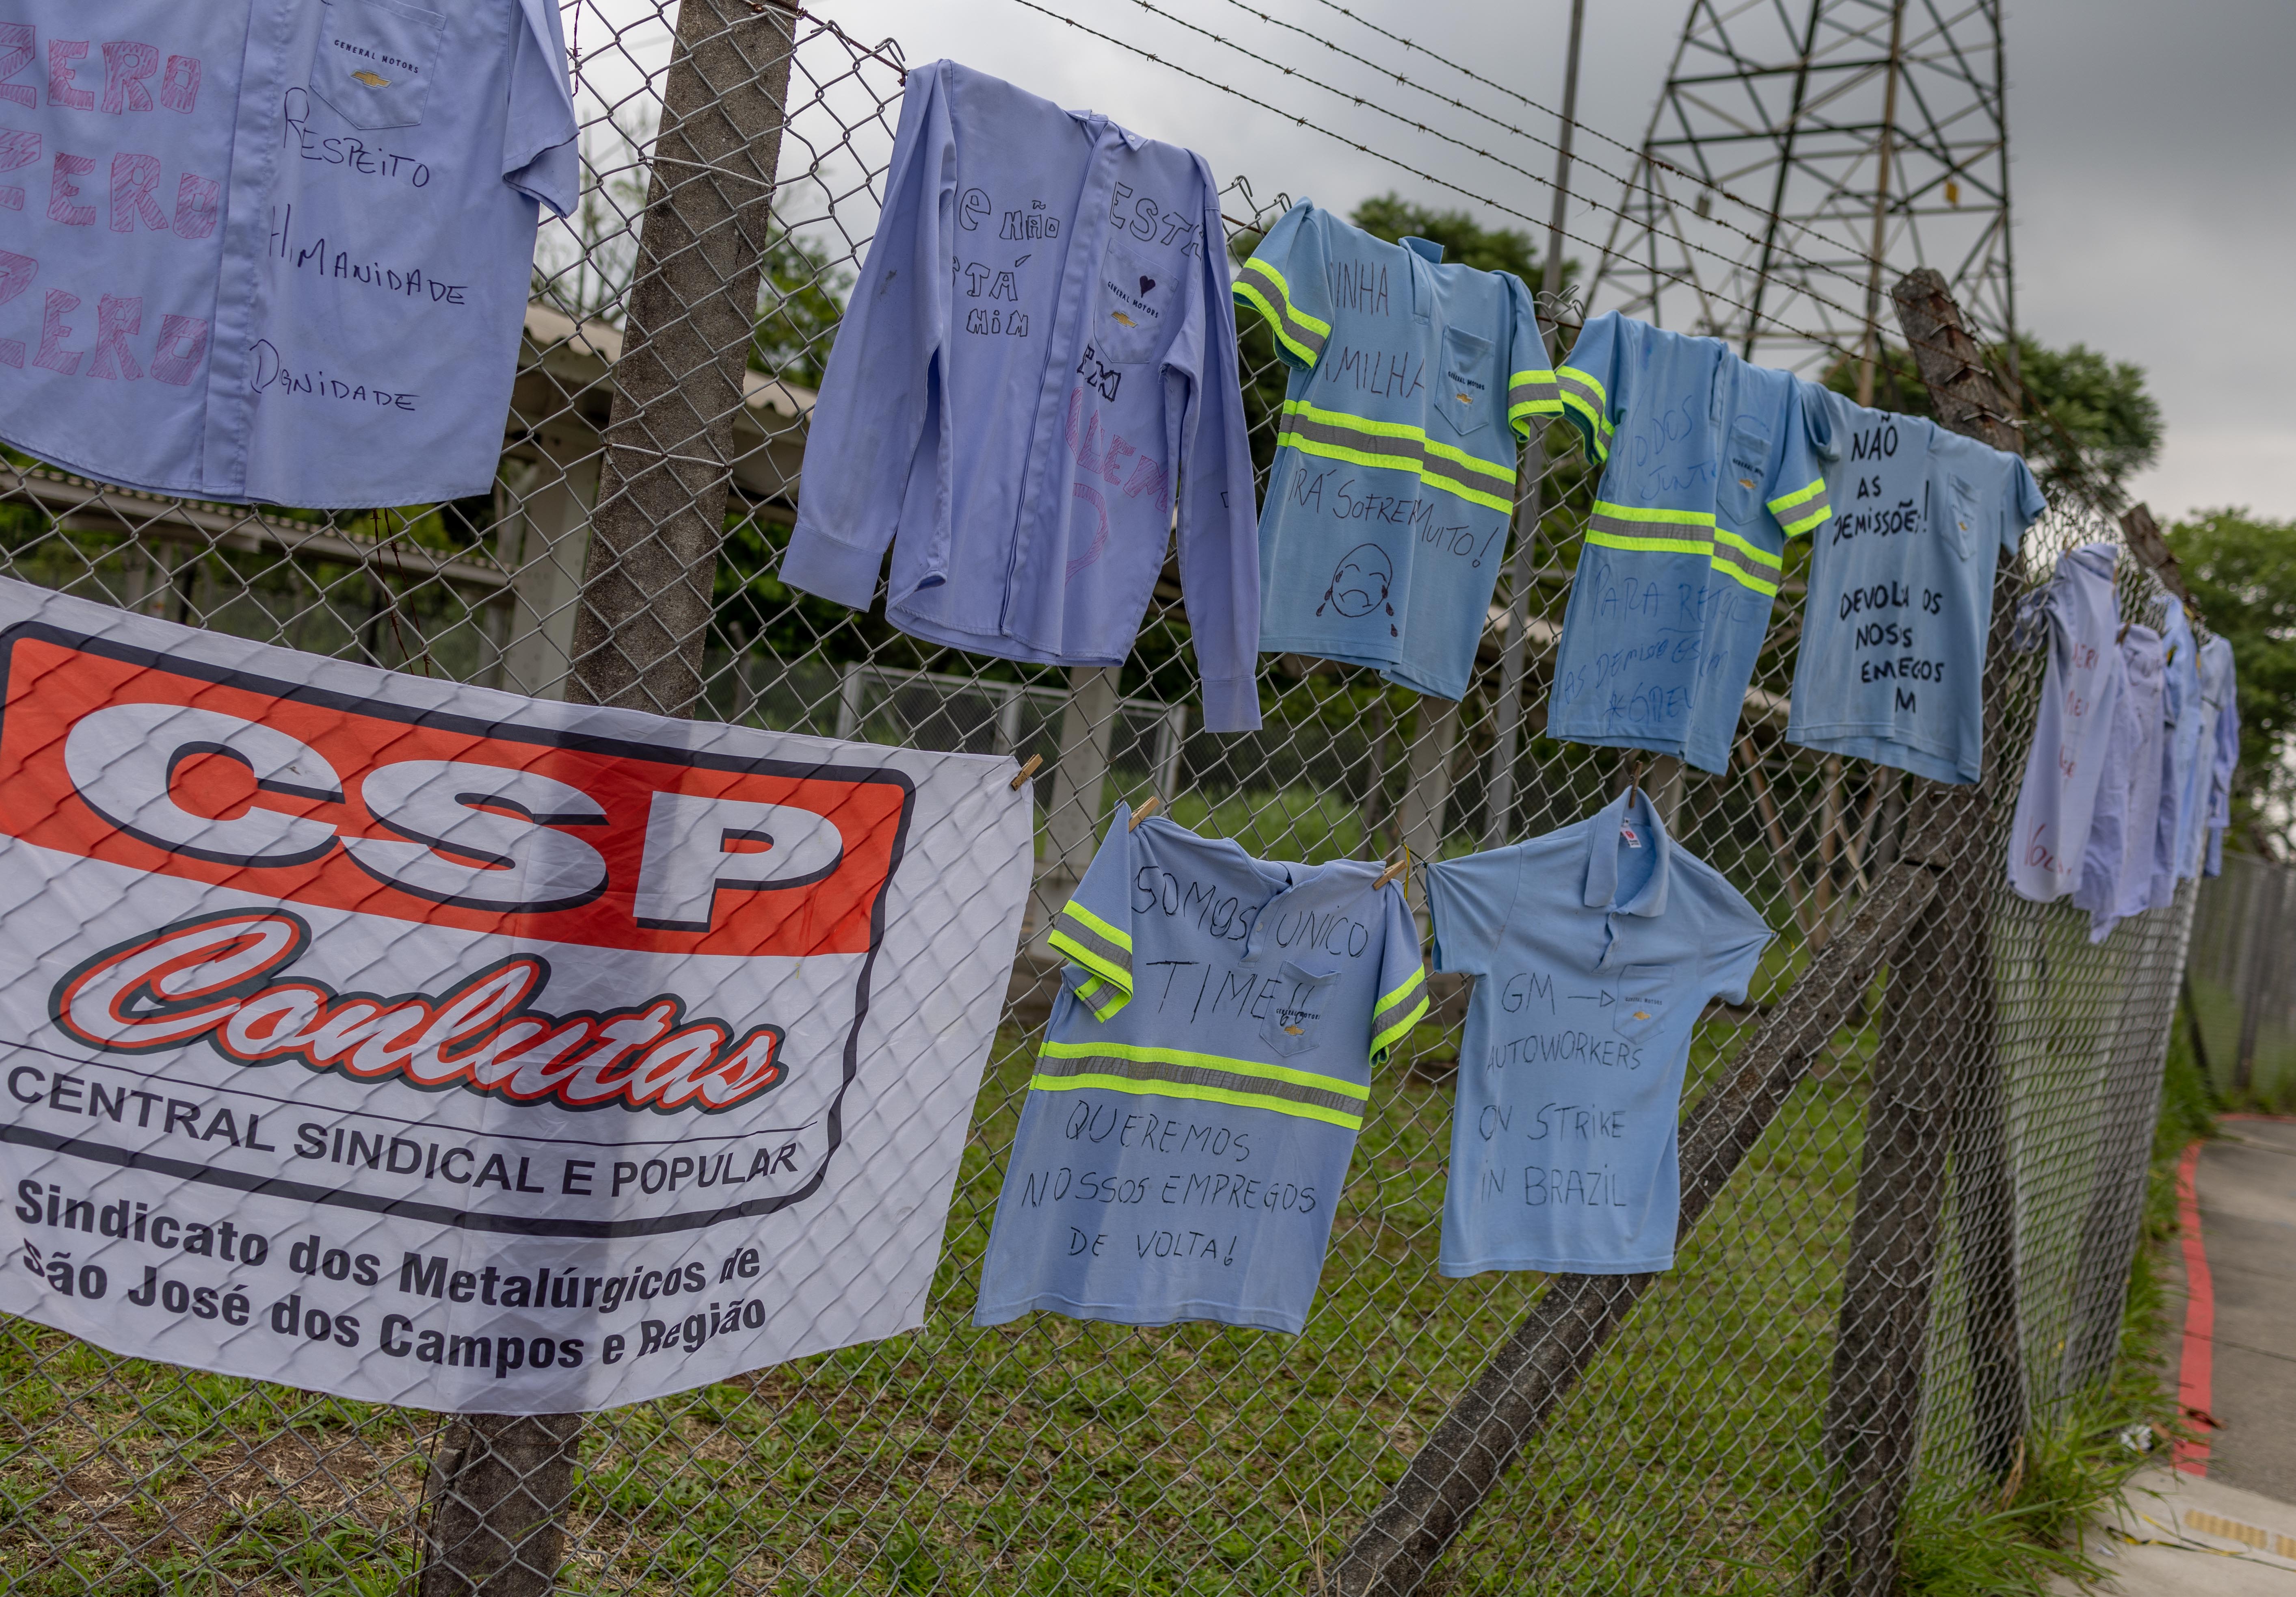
pixel 1567 374
pixel 1178 1056
pixel 1658 546
pixel 1214 1078
pixel 1283 287
pixel 1395 447
pixel 1724 535
pixel 1417 975
pixel 1221 1095
pixel 1809 524
pixel 1250 295
pixel 1122 940
pixel 1786 502
pixel 1113 974
pixel 1746 579
pixel 1396 1032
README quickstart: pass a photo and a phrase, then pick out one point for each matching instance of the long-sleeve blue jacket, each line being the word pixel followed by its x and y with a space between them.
pixel 1040 356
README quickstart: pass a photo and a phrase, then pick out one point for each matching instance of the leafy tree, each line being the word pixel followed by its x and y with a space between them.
pixel 2237 566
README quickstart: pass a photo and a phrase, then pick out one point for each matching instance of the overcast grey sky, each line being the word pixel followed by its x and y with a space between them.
pixel 2151 144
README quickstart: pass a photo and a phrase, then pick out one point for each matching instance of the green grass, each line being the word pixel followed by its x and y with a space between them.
pixel 1052 1455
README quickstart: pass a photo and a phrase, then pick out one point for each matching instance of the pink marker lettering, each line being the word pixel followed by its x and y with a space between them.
pixel 126 67
pixel 62 54
pixel 179 90
pixel 115 319
pixel 17 40
pixel 52 354
pixel 183 345
pixel 199 202
pixel 63 190
pixel 16 150
pixel 133 180
pixel 16 275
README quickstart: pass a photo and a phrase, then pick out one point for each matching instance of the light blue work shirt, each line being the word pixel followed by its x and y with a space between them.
pixel 276 252
pixel 2221 685
pixel 2117 867
pixel 1202 1079
pixel 1708 468
pixel 2076 616
pixel 1890 665
pixel 2186 715
pixel 1594 950
pixel 1394 481
pixel 1040 356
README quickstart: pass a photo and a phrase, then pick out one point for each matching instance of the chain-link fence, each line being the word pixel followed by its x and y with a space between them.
pixel 2241 984
pixel 1913 1161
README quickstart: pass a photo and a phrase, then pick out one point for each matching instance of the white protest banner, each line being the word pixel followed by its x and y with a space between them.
pixel 430 1045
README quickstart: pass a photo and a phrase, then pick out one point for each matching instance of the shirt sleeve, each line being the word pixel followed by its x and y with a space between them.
pixel 1531 389
pixel 540 157
pixel 1469 901
pixel 1592 383
pixel 1285 283
pixel 1796 489
pixel 1734 941
pixel 1094 929
pixel 2026 505
pixel 1218 530
pixel 883 368
pixel 1402 1001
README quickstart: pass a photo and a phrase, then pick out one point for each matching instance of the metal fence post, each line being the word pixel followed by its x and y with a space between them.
pixel 497 1521
pixel 1937 1093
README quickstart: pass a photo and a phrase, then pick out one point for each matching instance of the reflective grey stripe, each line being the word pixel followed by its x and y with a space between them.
pixel 1115 954
pixel 1696 532
pixel 1535 393
pixel 1449 474
pixel 1405 452
pixel 1401 1007
pixel 1738 559
pixel 1566 378
pixel 1294 329
pixel 1197 1075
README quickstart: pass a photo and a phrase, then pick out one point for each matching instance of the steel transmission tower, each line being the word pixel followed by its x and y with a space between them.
pixel 1850 140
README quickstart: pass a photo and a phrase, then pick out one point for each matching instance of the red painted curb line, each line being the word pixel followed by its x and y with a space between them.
pixel 2196 1368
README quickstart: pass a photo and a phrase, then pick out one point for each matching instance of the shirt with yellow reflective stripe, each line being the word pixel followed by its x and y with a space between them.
pixel 1205 1072
pixel 1708 468
pixel 1410 384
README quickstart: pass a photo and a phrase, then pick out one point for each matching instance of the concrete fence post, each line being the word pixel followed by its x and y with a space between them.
pixel 496 1519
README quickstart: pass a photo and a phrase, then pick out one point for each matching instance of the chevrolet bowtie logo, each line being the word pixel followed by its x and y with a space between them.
pixel 372 79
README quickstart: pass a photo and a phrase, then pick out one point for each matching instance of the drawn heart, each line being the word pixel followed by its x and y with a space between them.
pixel 1145 284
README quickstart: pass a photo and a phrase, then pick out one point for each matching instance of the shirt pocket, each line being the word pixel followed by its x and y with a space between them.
pixel 375 60
pixel 1293 1024
pixel 1744 464
pixel 1959 523
pixel 1133 303
pixel 1463 385
pixel 1643 1000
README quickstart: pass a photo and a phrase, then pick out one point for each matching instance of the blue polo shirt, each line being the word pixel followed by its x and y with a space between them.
pixel 1387 511
pixel 1892 661
pixel 1203 1077
pixel 1594 950
pixel 1708 468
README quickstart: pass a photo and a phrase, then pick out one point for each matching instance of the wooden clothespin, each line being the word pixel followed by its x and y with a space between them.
pixel 1147 808
pixel 1634 777
pixel 1398 869
pixel 1027 770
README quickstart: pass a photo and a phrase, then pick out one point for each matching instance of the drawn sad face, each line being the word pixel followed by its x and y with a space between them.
pixel 1360 583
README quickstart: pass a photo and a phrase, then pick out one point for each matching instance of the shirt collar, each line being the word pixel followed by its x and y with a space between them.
pixel 1630 807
